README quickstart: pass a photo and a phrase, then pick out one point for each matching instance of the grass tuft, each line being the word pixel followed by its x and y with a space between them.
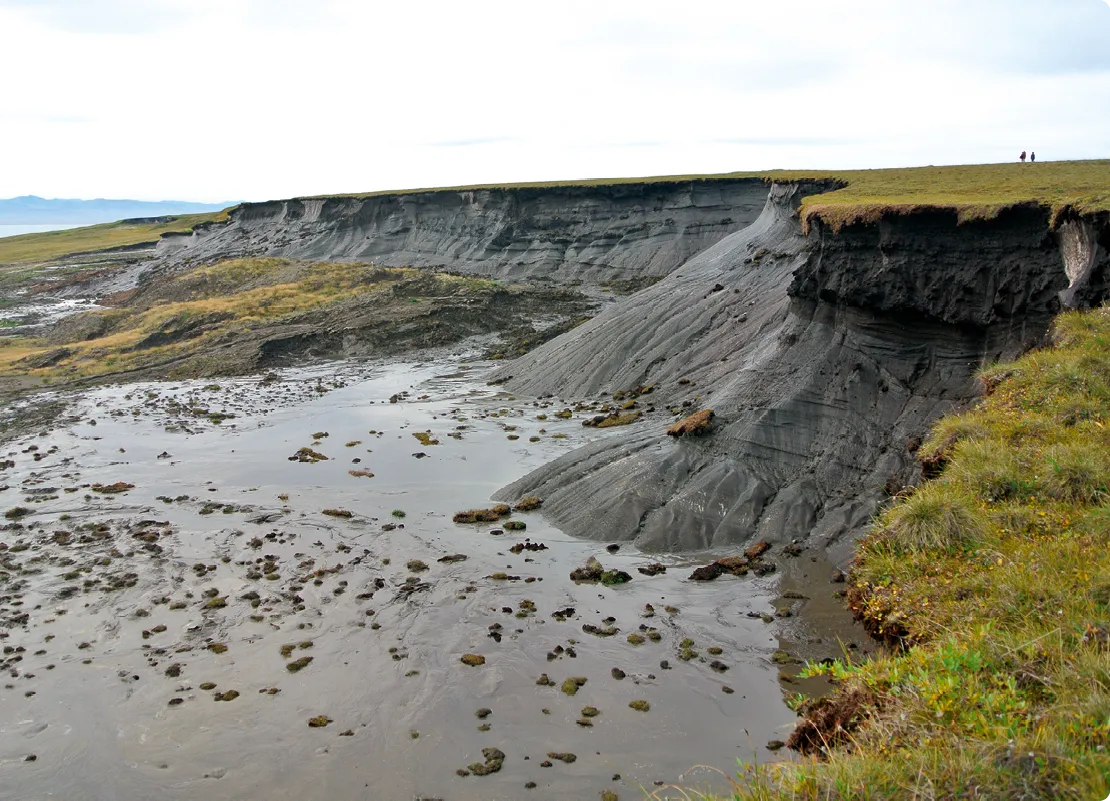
pixel 934 518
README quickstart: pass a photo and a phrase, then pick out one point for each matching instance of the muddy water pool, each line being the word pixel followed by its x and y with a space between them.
pixel 143 655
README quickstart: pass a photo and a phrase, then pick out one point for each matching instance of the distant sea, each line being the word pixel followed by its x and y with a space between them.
pixel 16 230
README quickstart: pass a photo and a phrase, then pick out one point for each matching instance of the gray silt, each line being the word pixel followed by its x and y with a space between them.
pixel 818 400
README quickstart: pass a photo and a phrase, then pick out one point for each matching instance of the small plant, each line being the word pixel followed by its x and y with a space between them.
pixel 572 685
pixel 398 513
pixel 298 665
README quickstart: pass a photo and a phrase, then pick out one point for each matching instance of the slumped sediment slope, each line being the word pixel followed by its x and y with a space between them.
pixel 824 357
pixel 596 233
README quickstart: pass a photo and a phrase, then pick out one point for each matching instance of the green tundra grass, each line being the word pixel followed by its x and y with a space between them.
pixel 974 190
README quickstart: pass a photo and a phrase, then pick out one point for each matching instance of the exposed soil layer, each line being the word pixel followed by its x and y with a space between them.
pixel 561 233
pixel 824 359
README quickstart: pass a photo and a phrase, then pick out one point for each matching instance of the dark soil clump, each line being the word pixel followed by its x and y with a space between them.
pixel 829 722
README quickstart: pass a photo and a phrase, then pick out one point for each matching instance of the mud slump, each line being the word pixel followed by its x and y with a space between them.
pixel 243 622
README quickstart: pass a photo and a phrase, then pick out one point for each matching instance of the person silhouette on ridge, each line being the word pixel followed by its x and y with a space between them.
pixel 1022 157
pixel 1032 156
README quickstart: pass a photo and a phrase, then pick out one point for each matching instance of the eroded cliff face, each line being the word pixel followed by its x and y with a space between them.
pixel 824 356
pixel 564 233
pixel 825 359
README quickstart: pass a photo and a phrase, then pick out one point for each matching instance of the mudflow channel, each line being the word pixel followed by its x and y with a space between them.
pixel 211 632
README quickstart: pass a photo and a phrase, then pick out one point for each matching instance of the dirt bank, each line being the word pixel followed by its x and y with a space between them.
pixel 824 358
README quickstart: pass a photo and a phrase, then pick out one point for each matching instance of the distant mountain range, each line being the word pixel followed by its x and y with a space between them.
pixel 32 210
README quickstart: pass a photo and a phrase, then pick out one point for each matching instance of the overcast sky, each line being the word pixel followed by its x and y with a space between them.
pixel 217 100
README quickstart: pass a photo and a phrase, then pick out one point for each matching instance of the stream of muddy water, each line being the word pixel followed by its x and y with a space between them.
pixel 151 634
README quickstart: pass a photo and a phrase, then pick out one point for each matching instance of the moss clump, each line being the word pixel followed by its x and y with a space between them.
pixel 299 664
pixel 208 685
pixel 16 512
pixel 562 756
pixel 112 489
pixel 635 639
pixel 360 473
pixel 287 649
pixel 217 647
pixel 398 513
pixel 590 712
pixel 611 577
pixel 307 455
pixel 229 695
pixel 528 504
pixel 490 515
pixel 612 419
pixel 417 566
pixel 639 705
pixel 571 685
pixel 494 757
pixel 341 513
pixel 686 650
pixel 515 525
pixel 319 722
pixel 474 660
pixel 425 437
pixel 216 603
pixel 700 422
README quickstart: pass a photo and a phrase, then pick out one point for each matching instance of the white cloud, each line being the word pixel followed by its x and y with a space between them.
pixel 222 99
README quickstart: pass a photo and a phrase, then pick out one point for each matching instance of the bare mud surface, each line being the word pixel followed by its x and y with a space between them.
pixel 246 621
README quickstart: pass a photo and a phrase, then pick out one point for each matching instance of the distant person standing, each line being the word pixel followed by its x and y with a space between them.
pixel 1022 157
pixel 1032 156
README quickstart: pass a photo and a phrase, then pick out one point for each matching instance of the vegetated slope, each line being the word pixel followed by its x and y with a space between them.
pixel 249 314
pixel 997 573
pixel 824 359
pixel 563 232
pixel 28 248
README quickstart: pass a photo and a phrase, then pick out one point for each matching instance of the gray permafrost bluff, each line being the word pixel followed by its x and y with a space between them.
pixel 824 356
pixel 562 233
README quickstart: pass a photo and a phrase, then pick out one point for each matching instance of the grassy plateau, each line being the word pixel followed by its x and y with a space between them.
pixel 973 190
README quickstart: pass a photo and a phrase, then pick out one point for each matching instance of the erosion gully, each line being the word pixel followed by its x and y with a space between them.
pixel 143 630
